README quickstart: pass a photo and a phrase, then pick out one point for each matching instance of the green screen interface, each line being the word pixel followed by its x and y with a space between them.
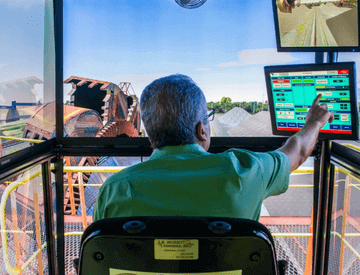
pixel 294 92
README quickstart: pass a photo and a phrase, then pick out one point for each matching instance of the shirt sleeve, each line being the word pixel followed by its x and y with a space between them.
pixel 276 172
pixel 271 170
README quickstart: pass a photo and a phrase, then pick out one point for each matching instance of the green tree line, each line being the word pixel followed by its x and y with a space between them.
pixel 226 105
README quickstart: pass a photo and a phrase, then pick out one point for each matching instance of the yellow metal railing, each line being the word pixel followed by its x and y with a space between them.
pixel 108 169
pixel 113 169
pixel 22 139
pixel 7 192
pixel 17 139
pixel 343 241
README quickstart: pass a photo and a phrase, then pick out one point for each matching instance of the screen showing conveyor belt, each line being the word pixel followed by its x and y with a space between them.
pixel 311 25
pixel 292 90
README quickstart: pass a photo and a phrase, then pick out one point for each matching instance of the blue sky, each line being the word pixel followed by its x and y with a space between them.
pixel 223 45
pixel 22 39
pixel 220 45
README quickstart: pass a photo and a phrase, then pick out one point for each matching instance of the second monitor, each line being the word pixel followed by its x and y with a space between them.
pixel 292 90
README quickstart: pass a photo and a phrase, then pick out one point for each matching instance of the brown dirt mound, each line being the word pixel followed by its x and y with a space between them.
pixel 330 10
pixel 289 21
pixel 344 28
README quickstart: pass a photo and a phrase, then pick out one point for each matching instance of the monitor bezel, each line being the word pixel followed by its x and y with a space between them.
pixel 321 67
pixel 311 49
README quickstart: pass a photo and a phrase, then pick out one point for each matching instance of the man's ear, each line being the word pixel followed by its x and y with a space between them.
pixel 200 132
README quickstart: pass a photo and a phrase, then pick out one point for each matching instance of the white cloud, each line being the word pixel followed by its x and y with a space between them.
pixel 229 64
pixel 202 69
pixel 237 92
pixel 264 56
pixel 259 57
pixel 3 65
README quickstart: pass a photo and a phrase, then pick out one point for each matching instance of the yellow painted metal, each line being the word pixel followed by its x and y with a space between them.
pixel 26 200
pixel 22 139
pixel 5 195
pixel 36 253
pixel 304 170
pixel 15 226
pixel 355 186
pixel 114 169
pixel 291 234
pixel 300 185
pixel 357 148
pixel 94 169
pixel 352 234
pixel 72 233
pixel 348 245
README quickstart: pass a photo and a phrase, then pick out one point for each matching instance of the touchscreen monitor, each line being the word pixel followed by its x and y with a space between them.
pixel 292 90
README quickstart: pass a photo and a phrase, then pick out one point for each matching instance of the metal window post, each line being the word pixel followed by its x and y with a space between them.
pixel 59 114
pixel 322 239
pixel 49 216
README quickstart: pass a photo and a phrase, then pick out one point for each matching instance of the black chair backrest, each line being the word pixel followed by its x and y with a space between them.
pixel 166 244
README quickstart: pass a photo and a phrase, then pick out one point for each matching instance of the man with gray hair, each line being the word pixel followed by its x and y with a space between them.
pixel 182 179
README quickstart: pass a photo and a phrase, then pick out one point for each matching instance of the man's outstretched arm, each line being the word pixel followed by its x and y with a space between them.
pixel 299 147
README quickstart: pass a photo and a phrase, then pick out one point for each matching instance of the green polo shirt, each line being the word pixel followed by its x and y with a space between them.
pixel 186 180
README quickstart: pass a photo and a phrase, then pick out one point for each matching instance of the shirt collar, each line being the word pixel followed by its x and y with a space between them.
pixel 193 148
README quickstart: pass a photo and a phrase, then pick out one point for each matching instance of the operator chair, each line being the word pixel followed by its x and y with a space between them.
pixel 177 244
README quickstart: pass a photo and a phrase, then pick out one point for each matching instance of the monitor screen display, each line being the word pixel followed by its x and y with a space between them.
pixel 292 90
pixel 309 25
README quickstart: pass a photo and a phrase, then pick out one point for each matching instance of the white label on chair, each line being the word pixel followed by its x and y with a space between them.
pixel 133 272
pixel 176 249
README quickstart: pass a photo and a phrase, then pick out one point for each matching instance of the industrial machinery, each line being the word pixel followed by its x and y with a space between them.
pixel 96 109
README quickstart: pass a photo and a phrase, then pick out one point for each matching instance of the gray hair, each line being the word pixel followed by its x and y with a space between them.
pixel 171 107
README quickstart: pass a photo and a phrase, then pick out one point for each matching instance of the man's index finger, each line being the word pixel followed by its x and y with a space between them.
pixel 317 100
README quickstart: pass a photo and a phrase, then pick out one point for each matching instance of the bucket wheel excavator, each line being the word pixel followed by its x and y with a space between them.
pixel 120 111
pixel 96 109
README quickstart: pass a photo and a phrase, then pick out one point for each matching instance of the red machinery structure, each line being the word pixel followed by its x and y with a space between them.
pixel 96 109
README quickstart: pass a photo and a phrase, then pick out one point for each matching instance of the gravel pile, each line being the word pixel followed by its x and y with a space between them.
pixel 290 21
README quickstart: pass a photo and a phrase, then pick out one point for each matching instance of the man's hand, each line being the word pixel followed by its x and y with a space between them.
pixel 299 147
pixel 319 113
